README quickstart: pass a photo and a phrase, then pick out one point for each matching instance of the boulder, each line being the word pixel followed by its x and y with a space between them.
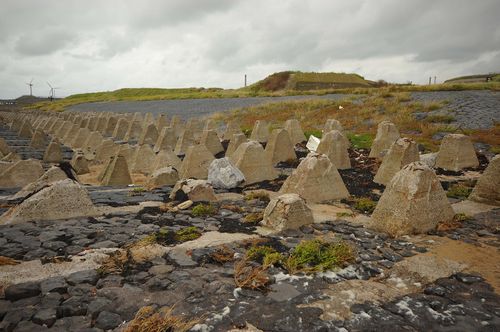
pixel 166 158
pixel 166 140
pixel 250 159
pixel 279 148
pixel 194 190
pixel 235 142
pixel 487 189
pixel 116 172
pixel 210 139
pixel 401 153
pixel 260 131
pixel 21 173
pixel 292 126
pixel 334 145
pixel 196 162
pixel 413 202
pixel 224 175
pixel 53 153
pixel 316 180
pixel 287 211
pixel 61 200
pixel 149 135
pixel 387 133
pixel 456 153
pixel 332 124
pixel 312 143
pixel 166 176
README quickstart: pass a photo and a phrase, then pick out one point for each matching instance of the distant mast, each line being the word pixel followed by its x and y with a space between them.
pixel 245 80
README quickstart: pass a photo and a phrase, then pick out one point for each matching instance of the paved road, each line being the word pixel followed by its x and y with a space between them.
pixel 471 109
pixel 188 108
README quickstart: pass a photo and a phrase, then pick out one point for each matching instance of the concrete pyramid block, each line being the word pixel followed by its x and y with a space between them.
pixel 107 149
pixel 53 153
pixel 487 189
pixel 21 173
pixel 196 162
pixel 235 142
pixel 210 125
pixel 61 200
pixel 401 153
pixel 69 136
pixel 4 147
pixel 250 159
pixel 232 128
pixel 102 123
pixel 121 129
pixel 292 126
pixel 166 176
pixel 166 141
pixel 94 139
pixel 279 148
pixel 128 152
pixel 316 180
pixel 184 142
pixel 143 159
pixel 26 130
pixel 177 125
pixel 260 131
pixel 335 145
pixel 413 202
pixel 81 137
pixel 166 158
pixel 92 125
pixel 116 172
pixel 53 174
pixel 80 164
pixel 332 124
pixel 149 135
pixel 111 124
pixel 39 140
pixel 161 122
pixel 210 139
pixel 134 131
pixel 456 153
pixel 61 132
pixel 287 211
pixel 387 133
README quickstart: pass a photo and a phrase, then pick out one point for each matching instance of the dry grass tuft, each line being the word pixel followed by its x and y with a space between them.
pixel 223 254
pixel 250 275
pixel 7 261
pixel 147 319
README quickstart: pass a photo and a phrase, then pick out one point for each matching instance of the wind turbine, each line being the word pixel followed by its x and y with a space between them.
pixel 30 84
pixel 52 91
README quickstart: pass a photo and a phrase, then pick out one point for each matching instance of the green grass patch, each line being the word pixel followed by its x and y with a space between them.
pixel 137 191
pixel 345 214
pixel 360 141
pixel 167 237
pixel 440 118
pixel 187 234
pixel 202 210
pixel 459 191
pixel 317 255
pixel 317 133
pixel 260 195
pixel 365 204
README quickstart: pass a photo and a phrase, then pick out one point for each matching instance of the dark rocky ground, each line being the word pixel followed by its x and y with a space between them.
pixel 471 109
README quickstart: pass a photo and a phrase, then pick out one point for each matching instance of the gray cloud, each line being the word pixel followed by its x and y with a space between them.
pixel 103 45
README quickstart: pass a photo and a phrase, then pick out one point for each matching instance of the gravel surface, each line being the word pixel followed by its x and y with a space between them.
pixel 188 108
pixel 471 109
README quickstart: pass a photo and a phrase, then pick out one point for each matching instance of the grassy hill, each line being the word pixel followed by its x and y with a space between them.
pixel 300 81
pixel 482 78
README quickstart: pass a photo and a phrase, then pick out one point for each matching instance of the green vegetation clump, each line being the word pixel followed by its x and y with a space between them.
pixel 365 204
pixel 259 253
pixel 314 132
pixel 187 234
pixel 459 191
pixel 360 141
pixel 440 118
pixel 204 210
pixel 253 217
pixel 461 217
pixel 317 255
pixel 345 214
pixel 260 195
pixel 137 191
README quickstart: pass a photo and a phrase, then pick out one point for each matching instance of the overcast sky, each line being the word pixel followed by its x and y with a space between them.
pixel 85 46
